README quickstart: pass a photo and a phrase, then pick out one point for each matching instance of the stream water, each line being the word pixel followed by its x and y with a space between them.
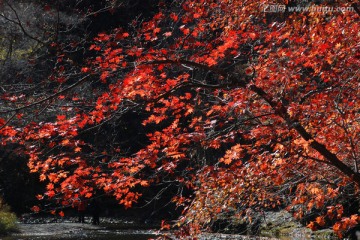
pixel 77 231
pixel 121 230
pixel 97 236
pixel 130 235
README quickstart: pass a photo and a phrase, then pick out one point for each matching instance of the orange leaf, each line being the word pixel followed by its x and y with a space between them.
pixel 39 197
pixel 88 195
pixel 60 117
pixel 85 69
pixel 164 225
pixel 35 209
pixel 337 227
pixel 144 183
pixel 312 226
pixel 77 149
pixel 320 220
pixel 65 142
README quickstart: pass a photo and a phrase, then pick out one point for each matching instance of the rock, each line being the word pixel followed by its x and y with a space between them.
pixel 225 223
pixel 323 234
pixel 222 236
pixel 281 223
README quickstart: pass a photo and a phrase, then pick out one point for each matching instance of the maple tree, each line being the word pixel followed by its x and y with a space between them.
pixel 249 109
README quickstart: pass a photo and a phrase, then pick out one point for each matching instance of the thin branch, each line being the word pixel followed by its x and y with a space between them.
pixel 18 22
pixel 8 121
pixel 49 97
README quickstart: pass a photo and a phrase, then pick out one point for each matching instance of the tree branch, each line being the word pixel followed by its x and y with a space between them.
pixel 279 109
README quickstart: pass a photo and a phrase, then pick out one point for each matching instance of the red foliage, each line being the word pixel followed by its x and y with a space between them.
pixel 277 93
